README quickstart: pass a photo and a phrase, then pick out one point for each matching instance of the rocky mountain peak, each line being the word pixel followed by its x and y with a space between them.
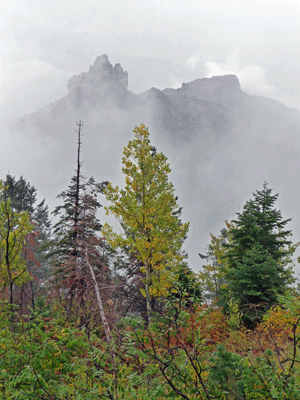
pixel 102 84
pixel 218 89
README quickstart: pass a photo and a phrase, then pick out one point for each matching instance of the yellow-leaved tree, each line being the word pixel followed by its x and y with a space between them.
pixel 149 214
pixel 14 230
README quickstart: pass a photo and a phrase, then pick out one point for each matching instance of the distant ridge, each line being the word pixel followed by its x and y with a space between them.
pixel 206 106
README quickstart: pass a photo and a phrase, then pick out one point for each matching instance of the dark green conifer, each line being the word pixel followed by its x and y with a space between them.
pixel 257 256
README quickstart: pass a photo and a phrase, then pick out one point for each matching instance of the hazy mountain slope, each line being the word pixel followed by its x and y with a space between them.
pixel 221 142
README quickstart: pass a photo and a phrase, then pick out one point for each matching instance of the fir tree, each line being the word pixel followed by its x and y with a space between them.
pixel 257 256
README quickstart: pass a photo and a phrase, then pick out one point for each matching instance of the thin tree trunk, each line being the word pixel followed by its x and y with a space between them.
pixel 7 251
pixel 148 298
pixel 77 194
pixel 99 301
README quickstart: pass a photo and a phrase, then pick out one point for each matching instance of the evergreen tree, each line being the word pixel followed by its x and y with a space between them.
pixel 149 215
pixel 78 222
pixel 77 227
pixel 22 195
pixel 257 256
pixel 78 250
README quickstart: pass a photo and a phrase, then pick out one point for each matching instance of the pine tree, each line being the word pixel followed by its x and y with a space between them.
pixel 148 211
pixel 257 256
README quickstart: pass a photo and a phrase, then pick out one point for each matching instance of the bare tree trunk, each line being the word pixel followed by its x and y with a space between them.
pixel 77 194
pixel 99 301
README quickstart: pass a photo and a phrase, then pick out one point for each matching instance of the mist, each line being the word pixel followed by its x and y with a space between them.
pixel 215 167
pixel 222 144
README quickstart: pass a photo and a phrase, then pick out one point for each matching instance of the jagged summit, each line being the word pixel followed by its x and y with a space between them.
pixel 106 85
pixel 103 83
pixel 203 107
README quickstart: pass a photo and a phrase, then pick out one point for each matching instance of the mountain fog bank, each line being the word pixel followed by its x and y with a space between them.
pixel 222 144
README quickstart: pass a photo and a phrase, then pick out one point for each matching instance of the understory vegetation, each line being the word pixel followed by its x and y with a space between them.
pixel 91 313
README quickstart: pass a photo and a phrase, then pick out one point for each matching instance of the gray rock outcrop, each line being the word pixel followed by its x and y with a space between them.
pixel 102 85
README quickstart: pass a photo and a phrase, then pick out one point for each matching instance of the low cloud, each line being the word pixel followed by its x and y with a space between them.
pixel 192 63
pixel 252 77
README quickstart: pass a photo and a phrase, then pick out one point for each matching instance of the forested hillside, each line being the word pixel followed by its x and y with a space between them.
pixel 93 312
